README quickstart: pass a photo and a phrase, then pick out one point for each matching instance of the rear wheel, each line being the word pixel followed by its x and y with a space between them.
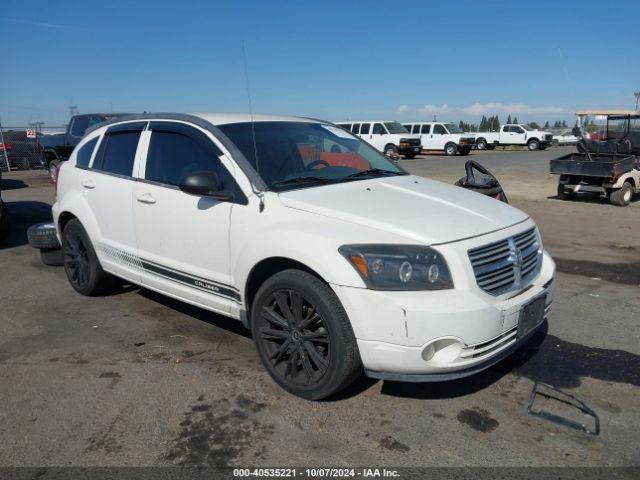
pixel 451 149
pixel 622 196
pixel 303 335
pixel 533 145
pixel 81 263
pixel 481 144
pixel 564 194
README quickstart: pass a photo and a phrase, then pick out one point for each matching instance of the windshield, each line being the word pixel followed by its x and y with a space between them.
pixel 302 154
pixel 617 127
pixel 395 127
pixel 453 128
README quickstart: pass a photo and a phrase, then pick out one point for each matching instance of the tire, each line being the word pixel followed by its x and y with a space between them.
pixel 52 258
pixel 564 194
pixel 622 196
pixel 481 144
pixel 542 148
pixel 451 149
pixel 84 272
pixel 323 364
pixel 533 145
pixel 409 156
pixel 391 151
pixel 491 147
pixel 465 151
pixel 43 236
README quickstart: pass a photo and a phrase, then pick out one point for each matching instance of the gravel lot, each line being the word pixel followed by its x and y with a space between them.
pixel 138 379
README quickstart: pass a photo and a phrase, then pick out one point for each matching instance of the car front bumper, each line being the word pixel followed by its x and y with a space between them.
pixel 468 330
pixel 410 150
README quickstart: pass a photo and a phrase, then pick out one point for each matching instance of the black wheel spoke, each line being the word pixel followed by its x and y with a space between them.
pixel 270 333
pixel 281 351
pixel 269 314
pixel 281 300
pixel 318 359
pixel 306 365
pixel 307 322
pixel 296 306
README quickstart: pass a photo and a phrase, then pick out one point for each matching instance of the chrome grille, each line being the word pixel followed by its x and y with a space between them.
pixel 507 264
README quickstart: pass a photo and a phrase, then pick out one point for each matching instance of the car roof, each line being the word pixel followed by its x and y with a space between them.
pixel 367 121
pixel 222 118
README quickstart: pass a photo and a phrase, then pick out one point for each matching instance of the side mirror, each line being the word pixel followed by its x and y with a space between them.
pixel 205 184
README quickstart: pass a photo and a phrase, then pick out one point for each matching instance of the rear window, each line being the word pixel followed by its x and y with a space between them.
pixel 119 152
pixel 80 125
pixel 84 154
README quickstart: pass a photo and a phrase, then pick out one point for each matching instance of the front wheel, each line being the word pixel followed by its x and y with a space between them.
pixel 303 335
pixel 451 149
pixel 81 263
pixel 622 196
pixel 564 194
pixel 391 151
pixel 533 145
pixel 481 144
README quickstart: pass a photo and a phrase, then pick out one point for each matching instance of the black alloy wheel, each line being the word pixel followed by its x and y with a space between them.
pixel 303 335
pixel 295 338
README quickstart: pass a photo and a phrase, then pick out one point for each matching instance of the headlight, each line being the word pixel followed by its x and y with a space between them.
pixel 399 267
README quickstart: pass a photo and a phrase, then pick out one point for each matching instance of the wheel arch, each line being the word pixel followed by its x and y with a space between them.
pixel 265 269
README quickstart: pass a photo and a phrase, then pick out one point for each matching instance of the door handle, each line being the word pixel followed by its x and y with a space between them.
pixel 145 198
pixel 88 184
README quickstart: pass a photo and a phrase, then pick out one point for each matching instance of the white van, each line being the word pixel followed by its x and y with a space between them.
pixel 389 137
pixel 442 136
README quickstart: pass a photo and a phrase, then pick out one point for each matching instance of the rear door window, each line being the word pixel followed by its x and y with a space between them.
pixel 426 128
pixel 365 128
pixel 439 130
pixel 118 152
pixel 83 157
pixel 355 128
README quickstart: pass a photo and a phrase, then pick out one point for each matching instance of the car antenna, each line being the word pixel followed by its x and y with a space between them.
pixel 259 194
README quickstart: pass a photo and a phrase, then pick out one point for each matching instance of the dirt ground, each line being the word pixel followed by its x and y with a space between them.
pixel 135 378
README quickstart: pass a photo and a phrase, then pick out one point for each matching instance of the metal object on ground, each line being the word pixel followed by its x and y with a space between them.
pixel 552 393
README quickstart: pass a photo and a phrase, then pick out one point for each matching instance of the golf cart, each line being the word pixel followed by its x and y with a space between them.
pixel 608 158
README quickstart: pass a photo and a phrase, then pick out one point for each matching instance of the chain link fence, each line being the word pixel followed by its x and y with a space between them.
pixel 21 148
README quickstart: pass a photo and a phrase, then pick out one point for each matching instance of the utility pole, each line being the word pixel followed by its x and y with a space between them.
pixel 37 126
pixel 637 95
pixel 72 110
pixel 4 148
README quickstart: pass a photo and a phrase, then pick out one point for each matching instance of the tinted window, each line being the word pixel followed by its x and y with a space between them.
pixel 119 152
pixel 355 128
pixel 84 154
pixel 365 128
pixel 172 156
pixel 439 130
pixel 378 128
pixel 80 124
pixel 416 129
pixel 507 129
pixel 426 128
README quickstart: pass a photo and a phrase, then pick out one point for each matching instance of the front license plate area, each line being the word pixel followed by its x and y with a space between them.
pixel 531 316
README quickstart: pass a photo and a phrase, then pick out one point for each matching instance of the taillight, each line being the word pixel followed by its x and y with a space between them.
pixel 57 176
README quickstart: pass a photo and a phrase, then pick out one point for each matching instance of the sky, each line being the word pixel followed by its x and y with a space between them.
pixel 337 60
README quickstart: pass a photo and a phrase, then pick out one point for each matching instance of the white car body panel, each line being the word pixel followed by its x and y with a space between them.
pixel 223 242
pixel 510 138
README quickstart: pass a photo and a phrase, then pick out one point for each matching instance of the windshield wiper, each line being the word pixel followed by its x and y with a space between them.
pixel 300 180
pixel 371 173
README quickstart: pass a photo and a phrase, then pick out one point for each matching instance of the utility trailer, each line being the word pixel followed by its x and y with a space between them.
pixel 608 167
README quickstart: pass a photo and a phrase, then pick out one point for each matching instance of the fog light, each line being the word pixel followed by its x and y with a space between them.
pixel 428 352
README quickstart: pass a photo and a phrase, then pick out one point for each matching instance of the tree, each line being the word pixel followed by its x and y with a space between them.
pixel 534 125
pixel 509 119
pixel 515 119
pixel 564 124
pixel 546 124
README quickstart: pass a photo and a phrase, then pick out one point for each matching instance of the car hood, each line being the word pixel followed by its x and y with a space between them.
pixel 426 211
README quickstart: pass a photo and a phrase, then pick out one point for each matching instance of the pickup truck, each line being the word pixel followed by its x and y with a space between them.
pixel 389 137
pixel 446 137
pixel 57 148
pixel 514 134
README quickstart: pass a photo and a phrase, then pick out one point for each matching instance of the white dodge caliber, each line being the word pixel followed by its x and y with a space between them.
pixel 337 259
